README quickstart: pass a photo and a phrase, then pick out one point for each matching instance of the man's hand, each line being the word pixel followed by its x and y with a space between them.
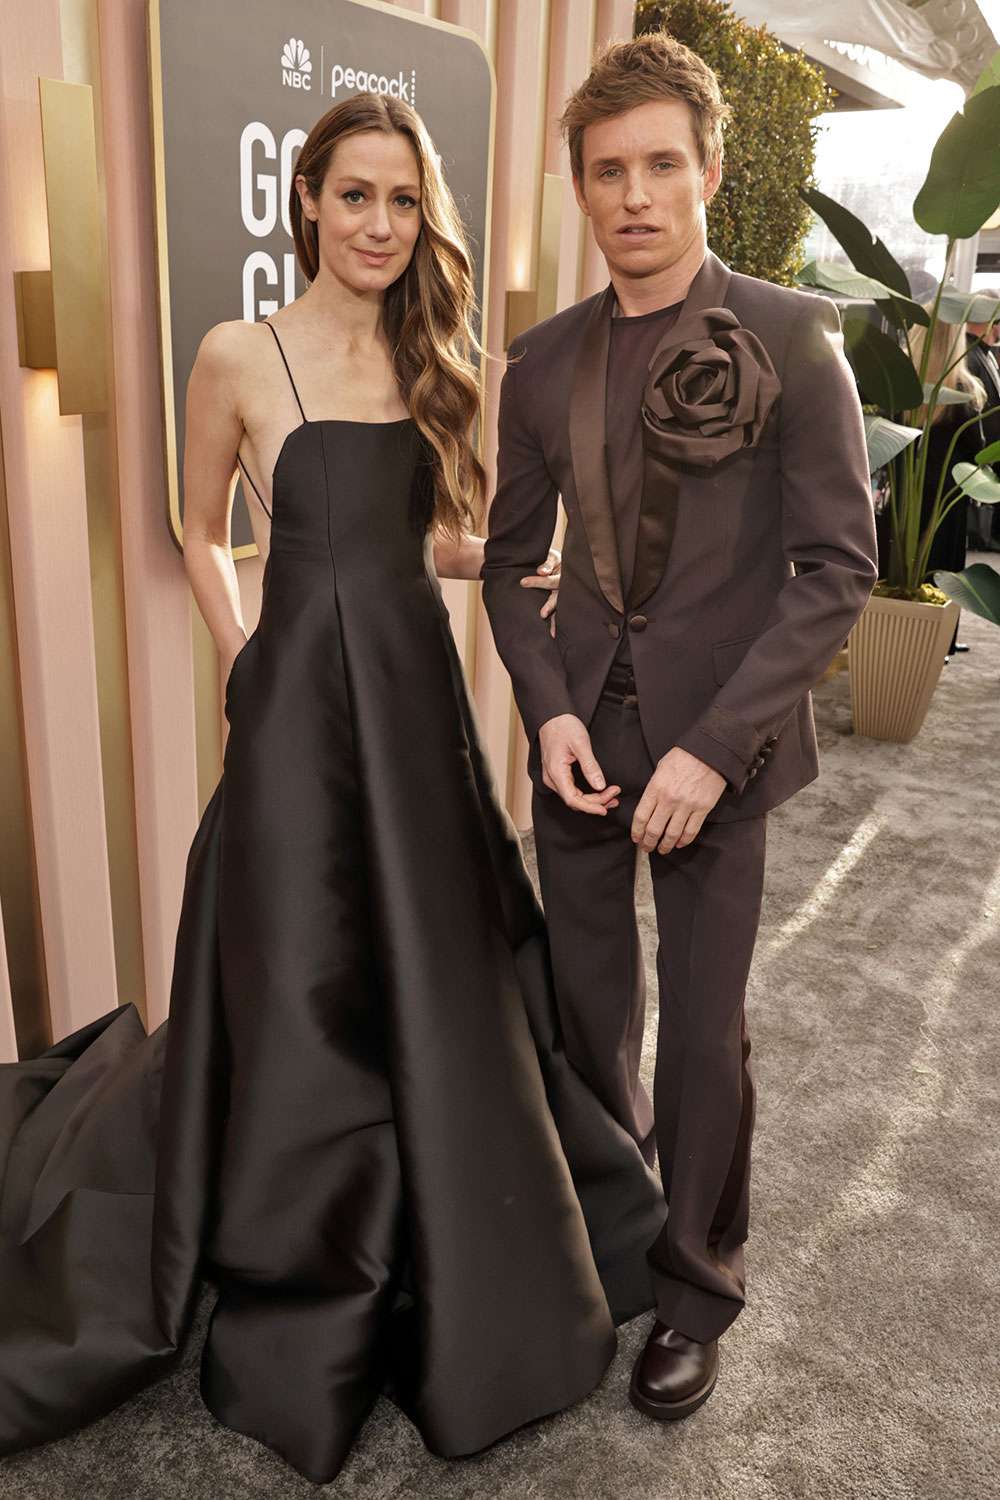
pixel 564 741
pixel 680 793
pixel 547 577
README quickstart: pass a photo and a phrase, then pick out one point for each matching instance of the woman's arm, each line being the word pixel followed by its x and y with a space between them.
pixel 212 434
pixel 464 559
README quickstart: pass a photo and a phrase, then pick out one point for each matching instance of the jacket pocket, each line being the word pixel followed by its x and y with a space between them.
pixel 727 655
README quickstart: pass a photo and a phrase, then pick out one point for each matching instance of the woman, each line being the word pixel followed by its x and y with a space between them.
pixel 947 552
pixel 367 1135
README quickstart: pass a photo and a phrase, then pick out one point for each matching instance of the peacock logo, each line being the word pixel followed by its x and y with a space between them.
pixel 296 65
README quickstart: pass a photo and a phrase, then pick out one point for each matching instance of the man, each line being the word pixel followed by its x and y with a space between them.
pixel 984 520
pixel 705 434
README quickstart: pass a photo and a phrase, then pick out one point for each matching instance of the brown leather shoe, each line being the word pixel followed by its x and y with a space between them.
pixel 673 1375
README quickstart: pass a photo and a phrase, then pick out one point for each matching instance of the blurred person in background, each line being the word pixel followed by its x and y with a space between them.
pixel 984 520
pixel 949 545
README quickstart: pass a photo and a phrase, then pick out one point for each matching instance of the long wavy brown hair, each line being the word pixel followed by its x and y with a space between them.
pixel 427 311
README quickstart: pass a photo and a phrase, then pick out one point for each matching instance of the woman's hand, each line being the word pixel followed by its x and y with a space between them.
pixel 547 577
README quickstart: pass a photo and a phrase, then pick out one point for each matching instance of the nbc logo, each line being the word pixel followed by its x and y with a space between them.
pixel 296 64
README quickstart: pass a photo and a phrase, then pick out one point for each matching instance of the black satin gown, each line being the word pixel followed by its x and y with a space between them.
pixel 358 1123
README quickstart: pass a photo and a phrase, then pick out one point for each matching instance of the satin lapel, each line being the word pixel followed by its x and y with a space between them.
pixel 589 450
pixel 662 486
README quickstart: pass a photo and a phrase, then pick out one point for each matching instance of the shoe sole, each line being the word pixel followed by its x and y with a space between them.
pixel 669 1411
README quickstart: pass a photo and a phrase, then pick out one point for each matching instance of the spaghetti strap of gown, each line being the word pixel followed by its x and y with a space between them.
pixel 239 460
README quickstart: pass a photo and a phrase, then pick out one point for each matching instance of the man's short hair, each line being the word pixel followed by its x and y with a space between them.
pixel 650 67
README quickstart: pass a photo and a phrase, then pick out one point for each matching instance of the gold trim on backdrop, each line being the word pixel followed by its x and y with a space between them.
pixel 167 410
pixel 20 908
pixel 78 306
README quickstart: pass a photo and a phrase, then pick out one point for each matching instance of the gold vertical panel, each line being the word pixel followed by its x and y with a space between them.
pixel 36 327
pixel 19 903
pixel 78 283
pixel 81 54
pixel 549 237
pixel 107 584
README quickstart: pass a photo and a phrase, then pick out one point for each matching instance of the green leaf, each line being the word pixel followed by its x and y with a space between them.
pixel 885 439
pixel 979 484
pixel 866 252
pixel 989 76
pixel 884 372
pixel 945 396
pixel 847 282
pixel 962 188
pixel 967 307
pixel 989 455
pixel 976 588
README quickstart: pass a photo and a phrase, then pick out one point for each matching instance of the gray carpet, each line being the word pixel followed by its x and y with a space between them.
pixel 865 1364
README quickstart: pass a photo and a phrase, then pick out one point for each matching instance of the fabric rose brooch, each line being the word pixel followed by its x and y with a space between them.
pixel 708 391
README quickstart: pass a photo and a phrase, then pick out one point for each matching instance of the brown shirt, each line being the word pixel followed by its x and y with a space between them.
pixel 629 351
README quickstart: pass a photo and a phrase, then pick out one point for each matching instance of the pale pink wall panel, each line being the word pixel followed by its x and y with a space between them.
pixel 571 30
pixel 475 15
pixel 521 53
pixel 462 599
pixel 50 564
pixel 571 48
pixel 157 593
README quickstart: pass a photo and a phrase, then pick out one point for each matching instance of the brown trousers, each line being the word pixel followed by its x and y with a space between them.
pixel 708 899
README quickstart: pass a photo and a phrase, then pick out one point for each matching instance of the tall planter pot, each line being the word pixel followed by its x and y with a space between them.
pixel 895 654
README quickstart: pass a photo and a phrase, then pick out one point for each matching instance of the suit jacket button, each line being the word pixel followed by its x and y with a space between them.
pixel 638 622
pixel 614 629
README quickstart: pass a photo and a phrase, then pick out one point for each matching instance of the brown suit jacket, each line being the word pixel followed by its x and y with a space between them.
pixel 749 574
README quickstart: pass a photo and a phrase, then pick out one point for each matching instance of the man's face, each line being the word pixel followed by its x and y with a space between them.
pixel 643 187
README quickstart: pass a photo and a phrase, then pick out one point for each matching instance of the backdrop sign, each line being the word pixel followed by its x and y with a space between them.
pixel 236 88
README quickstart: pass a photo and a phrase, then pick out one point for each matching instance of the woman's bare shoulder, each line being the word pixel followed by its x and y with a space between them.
pixel 229 359
pixel 226 347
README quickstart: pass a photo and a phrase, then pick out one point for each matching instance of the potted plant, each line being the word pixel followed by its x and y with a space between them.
pixel 898 646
